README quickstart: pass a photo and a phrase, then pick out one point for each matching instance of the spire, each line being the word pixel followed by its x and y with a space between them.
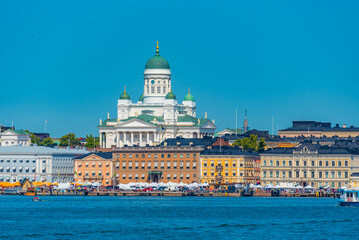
pixel 125 89
pixel 189 92
pixel 157 52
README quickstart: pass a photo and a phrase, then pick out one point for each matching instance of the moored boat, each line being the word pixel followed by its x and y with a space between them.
pixel 349 197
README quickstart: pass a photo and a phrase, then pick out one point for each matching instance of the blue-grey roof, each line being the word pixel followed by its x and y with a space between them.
pixel 225 150
pixel 105 155
pixel 40 150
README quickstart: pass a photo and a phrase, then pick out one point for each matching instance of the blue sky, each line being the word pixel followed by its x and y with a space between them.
pixel 67 61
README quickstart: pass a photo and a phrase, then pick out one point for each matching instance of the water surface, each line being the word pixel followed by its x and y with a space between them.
pixel 105 217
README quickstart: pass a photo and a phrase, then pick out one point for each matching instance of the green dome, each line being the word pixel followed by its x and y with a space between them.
pixel 189 97
pixel 125 95
pixel 157 62
pixel 170 95
pixel 141 98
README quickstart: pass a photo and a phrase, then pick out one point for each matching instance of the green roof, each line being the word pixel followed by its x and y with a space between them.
pixel 144 117
pixel 141 98
pixel 125 95
pixel 104 123
pixel 21 132
pixel 170 95
pixel 157 62
pixel 187 118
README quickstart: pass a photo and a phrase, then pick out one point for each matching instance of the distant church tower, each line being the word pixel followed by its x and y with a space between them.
pixel 245 123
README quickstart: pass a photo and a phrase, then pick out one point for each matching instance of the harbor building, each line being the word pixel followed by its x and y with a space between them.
pixel 307 164
pixel 37 163
pixel 157 115
pixel 94 167
pixel 12 137
pixel 229 165
pixel 318 129
pixel 156 164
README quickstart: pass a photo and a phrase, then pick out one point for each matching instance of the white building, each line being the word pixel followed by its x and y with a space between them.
pixel 157 115
pixel 37 163
pixel 14 138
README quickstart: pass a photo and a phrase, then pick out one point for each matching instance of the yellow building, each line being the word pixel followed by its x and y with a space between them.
pixel 307 164
pixel 227 165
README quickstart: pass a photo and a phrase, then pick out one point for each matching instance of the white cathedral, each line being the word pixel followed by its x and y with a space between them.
pixel 156 116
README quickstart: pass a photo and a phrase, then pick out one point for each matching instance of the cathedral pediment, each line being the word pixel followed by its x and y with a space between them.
pixel 208 125
pixel 135 123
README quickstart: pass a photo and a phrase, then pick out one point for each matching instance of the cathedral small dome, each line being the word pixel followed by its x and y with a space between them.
pixel 125 95
pixel 170 95
pixel 157 62
pixel 189 97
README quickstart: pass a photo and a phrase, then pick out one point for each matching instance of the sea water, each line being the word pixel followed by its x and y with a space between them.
pixel 106 217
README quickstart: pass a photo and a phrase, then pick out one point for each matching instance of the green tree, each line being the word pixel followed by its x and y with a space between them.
pixel 69 138
pixel 250 143
pixel 90 140
pixel 47 142
pixel 34 139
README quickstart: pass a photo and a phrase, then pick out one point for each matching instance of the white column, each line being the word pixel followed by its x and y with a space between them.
pixel 148 138
pixel 100 139
pixel 140 138
pixel 118 139
pixel 124 138
pixel 131 138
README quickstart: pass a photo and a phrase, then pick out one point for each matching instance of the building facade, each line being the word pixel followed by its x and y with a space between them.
pixel 228 165
pixel 157 115
pixel 15 138
pixel 37 163
pixel 307 164
pixel 156 164
pixel 94 167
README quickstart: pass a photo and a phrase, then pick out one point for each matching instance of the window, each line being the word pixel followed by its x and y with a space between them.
pixel 143 165
pixel 297 174
pixel 93 173
pixel 123 155
pixel 297 163
pixel 136 165
pixel 79 165
pixel 107 173
pixel 234 165
pixel 187 165
pixel 271 163
pixel 93 164
pixel 168 155
pixel 327 163
pixel 313 163
pixel 148 165
pixel 194 165
pixel 277 173
pixel 142 155
pixel 346 175
pixel 123 165
pixel 290 163
pixel 162 155
pixel 174 165
pixel 156 155
pixel 320 163
pixel 339 174
pixel 124 176
pixel 181 176
pixel 283 163
pixel 346 163
pixel 162 165
pixel 117 165
pixel 312 174
pixel 289 174
pixel 130 176
pixel 339 163
pixel 283 174
pixel 326 175
pixel 204 173
pixel 80 173
pixel 130 155
pixel 271 174
pixel 117 155
pixel 233 174
pixel 333 174
pixel 304 163
pixel 149 155
pixel 187 155
pixel 305 174
pixel 320 175
pixel 86 165
pixel 175 155
pixel 187 176
pixel 175 176
pixel 168 165
pixel 136 155
pixel 142 176
pixel 181 155
pixel 264 162
pixel 277 163
pixel 212 163
pixel 168 176
pixel 155 165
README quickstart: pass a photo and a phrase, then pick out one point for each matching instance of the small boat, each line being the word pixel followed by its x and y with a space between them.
pixel 36 199
pixel 349 197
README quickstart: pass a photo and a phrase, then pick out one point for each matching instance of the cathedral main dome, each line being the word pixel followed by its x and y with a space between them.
pixel 157 62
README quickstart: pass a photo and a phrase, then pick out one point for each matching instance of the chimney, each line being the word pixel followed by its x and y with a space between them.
pixel 344 125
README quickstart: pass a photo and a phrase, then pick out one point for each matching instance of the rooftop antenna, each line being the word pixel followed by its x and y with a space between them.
pixel 236 123
pixel 12 124
pixel 272 126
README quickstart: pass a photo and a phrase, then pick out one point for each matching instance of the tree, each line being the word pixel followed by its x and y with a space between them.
pixel 69 138
pixel 34 139
pixel 47 142
pixel 250 143
pixel 91 140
